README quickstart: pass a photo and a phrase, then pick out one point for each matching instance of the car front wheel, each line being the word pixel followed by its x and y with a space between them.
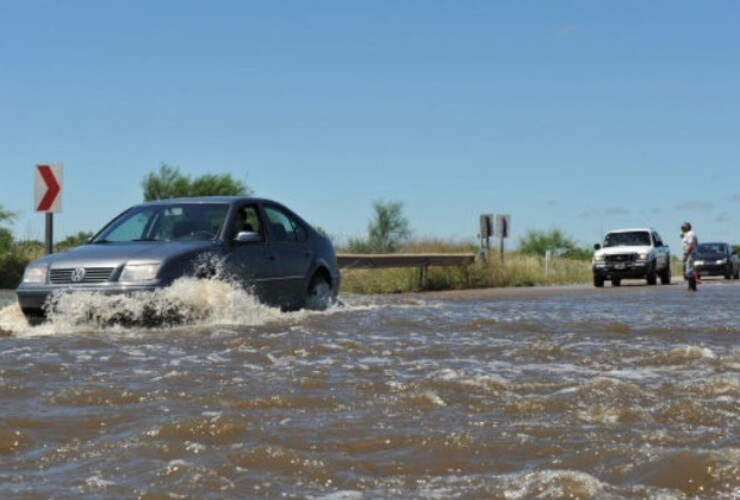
pixel 320 295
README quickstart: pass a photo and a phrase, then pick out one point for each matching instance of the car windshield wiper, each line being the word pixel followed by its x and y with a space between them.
pixel 147 239
pixel 101 242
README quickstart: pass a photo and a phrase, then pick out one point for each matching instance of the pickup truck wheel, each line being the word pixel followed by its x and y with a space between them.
pixel 616 281
pixel 598 282
pixel 728 272
pixel 652 277
pixel 665 275
pixel 737 274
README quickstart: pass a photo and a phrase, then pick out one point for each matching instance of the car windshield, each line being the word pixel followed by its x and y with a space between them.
pixel 630 238
pixel 711 248
pixel 176 222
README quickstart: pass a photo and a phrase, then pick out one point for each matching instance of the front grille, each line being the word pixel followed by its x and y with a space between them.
pixel 92 275
pixel 624 258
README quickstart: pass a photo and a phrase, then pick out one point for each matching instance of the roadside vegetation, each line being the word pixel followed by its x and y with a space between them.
pixel 518 269
pixel 388 232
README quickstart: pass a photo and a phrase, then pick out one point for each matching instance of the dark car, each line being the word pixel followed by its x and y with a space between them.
pixel 276 253
pixel 717 259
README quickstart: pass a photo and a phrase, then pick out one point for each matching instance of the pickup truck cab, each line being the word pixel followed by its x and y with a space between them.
pixel 632 253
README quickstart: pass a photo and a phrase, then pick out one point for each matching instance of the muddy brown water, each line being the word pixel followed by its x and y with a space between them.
pixel 628 392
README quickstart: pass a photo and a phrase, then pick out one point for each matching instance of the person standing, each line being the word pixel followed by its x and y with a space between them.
pixel 688 244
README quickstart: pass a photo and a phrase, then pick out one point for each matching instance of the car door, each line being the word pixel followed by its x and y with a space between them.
pixel 290 242
pixel 253 263
pixel 663 257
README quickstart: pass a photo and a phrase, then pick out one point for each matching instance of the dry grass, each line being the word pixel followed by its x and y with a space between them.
pixel 517 270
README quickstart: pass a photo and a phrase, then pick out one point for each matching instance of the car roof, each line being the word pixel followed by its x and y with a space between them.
pixel 631 230
pixel 209 199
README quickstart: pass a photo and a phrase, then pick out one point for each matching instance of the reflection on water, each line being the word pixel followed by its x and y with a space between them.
pixel 568 392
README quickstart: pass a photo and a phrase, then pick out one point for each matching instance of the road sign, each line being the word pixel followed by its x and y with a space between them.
pixel 485 225
pixel 48 188
pixel 503 225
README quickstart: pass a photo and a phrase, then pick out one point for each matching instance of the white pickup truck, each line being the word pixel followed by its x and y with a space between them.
pixel 632 253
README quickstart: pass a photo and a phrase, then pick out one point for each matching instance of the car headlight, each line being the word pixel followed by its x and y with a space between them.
pixel 599 258
pixel 722 261
pixel 643 256
pixel 139 272
pixel 35 274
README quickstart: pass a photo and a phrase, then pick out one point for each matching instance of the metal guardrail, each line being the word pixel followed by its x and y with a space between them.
pixel 419 260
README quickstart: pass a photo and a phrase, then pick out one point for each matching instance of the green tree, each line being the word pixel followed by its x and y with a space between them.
pixel 73 241
pixel 6 240
pixel 6 216
pixel 12 263
pixel 6 237
pixel 389 227
pixel 538 242
pixel 359 245
pixel 170 183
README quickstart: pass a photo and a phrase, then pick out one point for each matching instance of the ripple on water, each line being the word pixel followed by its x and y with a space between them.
pixel 690 472
pixel 97 396
pixel 544 398
pixel 13 441
pixel 205 430
pixel 279 460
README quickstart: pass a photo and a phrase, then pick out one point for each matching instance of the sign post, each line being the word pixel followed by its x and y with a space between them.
pixel 48 197
pixel 485 230
pixel 503 228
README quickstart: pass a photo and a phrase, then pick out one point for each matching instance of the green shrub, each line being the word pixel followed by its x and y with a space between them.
pixel 12 265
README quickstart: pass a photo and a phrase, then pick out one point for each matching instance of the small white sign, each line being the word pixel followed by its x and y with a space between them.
pixel 503 225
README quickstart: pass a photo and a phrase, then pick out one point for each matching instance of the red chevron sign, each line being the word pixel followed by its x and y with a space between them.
pixel 48 188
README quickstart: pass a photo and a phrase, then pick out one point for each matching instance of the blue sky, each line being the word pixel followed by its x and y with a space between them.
pixel 582 116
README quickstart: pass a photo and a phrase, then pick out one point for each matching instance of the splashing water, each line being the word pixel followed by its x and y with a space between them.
pixel 12 320
pixel 187 301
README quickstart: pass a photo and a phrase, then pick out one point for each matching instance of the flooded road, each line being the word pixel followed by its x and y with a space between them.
pixel 630 392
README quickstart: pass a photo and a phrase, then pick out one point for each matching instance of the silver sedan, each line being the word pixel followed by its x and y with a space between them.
pixel 255 242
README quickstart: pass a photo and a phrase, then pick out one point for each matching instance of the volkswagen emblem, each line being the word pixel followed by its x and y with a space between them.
pixel 78 274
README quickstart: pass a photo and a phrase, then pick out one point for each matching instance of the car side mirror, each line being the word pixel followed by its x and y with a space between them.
pixel 248 237
pixel 597 247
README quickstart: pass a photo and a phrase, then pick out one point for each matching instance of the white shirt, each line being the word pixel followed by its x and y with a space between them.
pixel 689 241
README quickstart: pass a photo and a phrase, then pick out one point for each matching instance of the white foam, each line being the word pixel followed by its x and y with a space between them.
pixel 552 484
pixel 343 495
pixel 188 302
pixel 12 319
pixel 97 483
pixel 433 398
pixel 693 352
